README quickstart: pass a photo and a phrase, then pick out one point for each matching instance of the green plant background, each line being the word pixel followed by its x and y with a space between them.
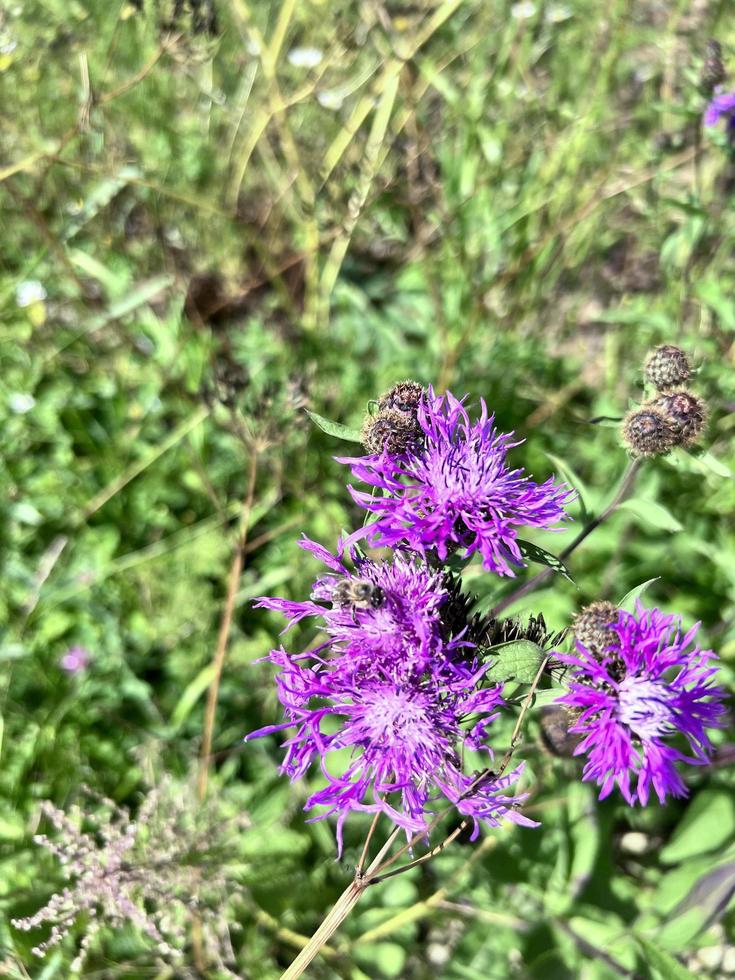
pixel 512 200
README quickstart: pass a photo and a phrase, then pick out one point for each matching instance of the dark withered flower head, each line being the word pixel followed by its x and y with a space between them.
pixel 390 431
pixel 455 490
pixel 686 412
pixel 593 626
pixel 403 397
pixel 493 632
pixel 652 687
pixel 713 69
pixel 647 431
pixel 667 366
pixel 393 685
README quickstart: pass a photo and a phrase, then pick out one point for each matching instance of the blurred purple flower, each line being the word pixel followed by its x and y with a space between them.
pixel 649 684
pixel 722 105
pixel 397 687
pixel 456 490
pixel 75 660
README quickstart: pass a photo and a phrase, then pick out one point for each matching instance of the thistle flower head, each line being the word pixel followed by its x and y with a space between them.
pixel 651 685
pixel 403 397
pixel 647 431
pixel 593 626
pixel 667 366
pixel 382 618
pixel 406 741
pixel 686 412
pixel 455 490
pixel 399 686
pixel 391 431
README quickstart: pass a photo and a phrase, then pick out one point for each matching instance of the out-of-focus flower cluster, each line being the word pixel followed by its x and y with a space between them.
pixel 152 872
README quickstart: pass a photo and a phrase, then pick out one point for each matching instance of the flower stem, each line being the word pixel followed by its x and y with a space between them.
pixel 344 905
pixel 218 661
pixel 624 488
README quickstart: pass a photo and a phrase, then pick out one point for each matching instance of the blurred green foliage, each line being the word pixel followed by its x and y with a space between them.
pixel 205 234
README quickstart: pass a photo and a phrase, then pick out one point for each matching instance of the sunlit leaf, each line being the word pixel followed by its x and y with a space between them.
pixel 335 429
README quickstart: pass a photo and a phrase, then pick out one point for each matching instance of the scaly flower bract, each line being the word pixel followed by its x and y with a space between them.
pixel 455 490
pixel 649 685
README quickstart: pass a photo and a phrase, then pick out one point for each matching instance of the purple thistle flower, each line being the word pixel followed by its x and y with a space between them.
pixel 393 686
pixel 405 741
pixel 722 105
pixel 455 490
pixel 395 630
pixel 649 684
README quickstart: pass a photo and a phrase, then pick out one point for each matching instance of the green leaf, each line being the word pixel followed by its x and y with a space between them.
pixel 710 464
pixel 707 824
pixel 335 429
pixel 193 691
pixel 574 481
pixel 628 600
pixel 533 553
pixel 663 963
pixel 651 513
pixel 516 661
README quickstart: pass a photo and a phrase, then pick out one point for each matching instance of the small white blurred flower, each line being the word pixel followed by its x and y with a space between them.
pixel 20 402
pixel 331 98
pixel 305 57
pixel 524 10
pixel 29 292
pixel 558 12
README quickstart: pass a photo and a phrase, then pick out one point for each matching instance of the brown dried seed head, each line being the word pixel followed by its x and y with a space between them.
pixel 647 431
pixel 392 430
pixel 592 626
pixel 686 412
pixel 404 397
pixel 667 366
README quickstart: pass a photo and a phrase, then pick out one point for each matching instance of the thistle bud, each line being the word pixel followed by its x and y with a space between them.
pixel 403 397
pixel 713 69
pixel 647 431
pixel 667 366
pixel 686 412
pixel 390 430
pixel 592 626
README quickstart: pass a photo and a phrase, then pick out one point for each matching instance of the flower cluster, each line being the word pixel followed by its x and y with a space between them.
pixel 156 873
pixel 454 489
pixel 634 693
pixel 397 691
pixel 675 416
pixel 397 688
